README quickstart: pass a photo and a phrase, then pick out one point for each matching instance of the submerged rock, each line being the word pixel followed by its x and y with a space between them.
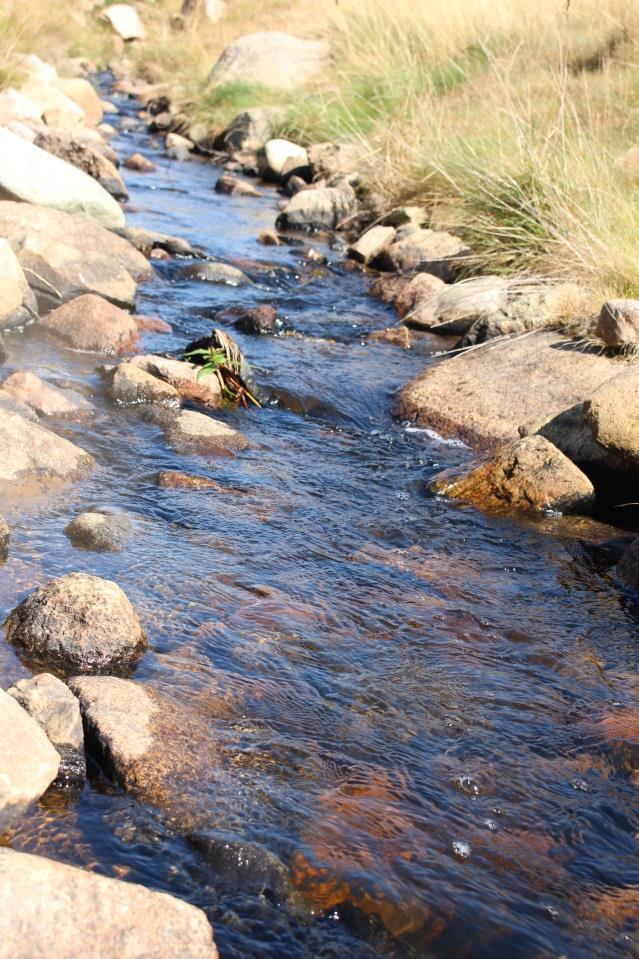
pixel 204 433
pixel 173 479
pixel 208 272
pixel 77 623
pixel 260 319
pixel 64 256
pixel 91 323
pixel 149 241
pixel 108 917
pixel 45 398
pixel 130 385
pixel 32 175
pixel 271 59
pixel 28 766
pixel 319 208
pixel 530 474
pixel 34 458
pixel 57 711
pixel 100 532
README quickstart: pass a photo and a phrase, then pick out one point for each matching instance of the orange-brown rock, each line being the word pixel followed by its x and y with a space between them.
pixel 91 323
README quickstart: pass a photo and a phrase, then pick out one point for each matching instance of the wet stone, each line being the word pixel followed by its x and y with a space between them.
pixel 139 163
pixel 261 319
pixel 204 433
pixel 129 385
pixel 221 273
pixel 100 532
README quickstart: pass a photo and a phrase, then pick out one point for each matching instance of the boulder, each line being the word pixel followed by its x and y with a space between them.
pixel 209 272
pixel 85 158
pixel 371 244
pixel 100 532
pixel 125 21
pixel 426 251
pixel 129 385
pixel 64 256
pixel 83 93
pixel 91 323
pixel 34 458
pixel 51 909
pixel 618 323
pixel 28 766
pixel 484 395
pixel 231 186
pixel 45 398
pixel 272 60
pixel 260 319
pixel 529 306
pixel 17 302
pixel 139 163
pixel 78 623
pixel 57 711
pixel 530 474
pixel 280 155
pixel 32 175
pixel 320 208
pixel 204 433
pixel 455 308
pixel 183 377
pixel 612 413
pixel 248 130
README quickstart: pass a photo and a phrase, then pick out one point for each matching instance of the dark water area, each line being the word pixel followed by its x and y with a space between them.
pixel 406 692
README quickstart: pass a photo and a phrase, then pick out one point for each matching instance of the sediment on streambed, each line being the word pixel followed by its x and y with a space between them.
pixel 221 552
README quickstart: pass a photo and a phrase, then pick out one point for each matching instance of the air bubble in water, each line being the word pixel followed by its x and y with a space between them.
pixel 461 849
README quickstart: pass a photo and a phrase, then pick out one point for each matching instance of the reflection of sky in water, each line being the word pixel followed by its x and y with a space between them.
pixel 401 689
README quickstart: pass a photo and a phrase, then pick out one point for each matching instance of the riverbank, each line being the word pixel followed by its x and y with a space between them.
pixel 256 742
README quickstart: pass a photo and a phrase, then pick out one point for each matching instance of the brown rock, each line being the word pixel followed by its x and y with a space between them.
pixel 5 534
pixel 129 385
pixel 34 458
pixel 232 186
pixel 618 324
pixel 269 238
pixel 45 398
pixel 108 917
pixel 182 376
pixel 152 324
pixel 398 335
pixel 260 319
pixel 78 623
pixel 82 93
pixel 484 395
pixel 139 163
pixel 28 766
pixel 612 413
pixel 91 323
pixel 147 241
pixel 172 479
pixel 530 474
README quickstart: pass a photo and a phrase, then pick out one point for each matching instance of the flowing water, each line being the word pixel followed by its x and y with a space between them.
pixel 405 692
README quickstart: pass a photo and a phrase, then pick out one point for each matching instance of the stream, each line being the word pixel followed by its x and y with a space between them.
pixel 405 691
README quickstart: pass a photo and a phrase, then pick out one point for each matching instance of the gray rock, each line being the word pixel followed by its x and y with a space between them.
pixel 271 59
pixel 130 385
pixel 249 129
pixel 530 474
pixel 8 404
pixel 146 241
pixel 427 251
pixel 77 623
pixel 372 243
pixel 231 186
pixel 618 323
pixel 223 273
pixel 100 532
pixel 178 147
pixel 35 459
pixel 45 398
pixel 32 175
pixel 204 433
pixel 28 766
pixel 64 256
pixel 54 707
pixel 455 308
pixel 279 155
pixel 321 208
pixel 53 910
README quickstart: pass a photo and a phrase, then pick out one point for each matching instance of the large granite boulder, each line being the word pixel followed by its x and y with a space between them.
pixel 613 415
pixel 57 711
pixel 86 158
pixel 91 323
pixel 28 766
pixel 77 623
pixel 530 474
pixel 32 175
pixel 48 909
pixel 35 459
pixel 484 395
pixel 271 59
pixel 64 256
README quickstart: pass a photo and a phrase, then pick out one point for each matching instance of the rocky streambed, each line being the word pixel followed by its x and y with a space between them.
pixel 336 710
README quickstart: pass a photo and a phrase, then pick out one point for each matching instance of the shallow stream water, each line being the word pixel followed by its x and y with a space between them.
pixel 405 692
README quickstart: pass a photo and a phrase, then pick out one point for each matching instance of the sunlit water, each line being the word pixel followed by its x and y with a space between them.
pixel 404 691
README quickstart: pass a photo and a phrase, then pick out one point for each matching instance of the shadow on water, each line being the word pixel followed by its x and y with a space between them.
pixel 404 693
